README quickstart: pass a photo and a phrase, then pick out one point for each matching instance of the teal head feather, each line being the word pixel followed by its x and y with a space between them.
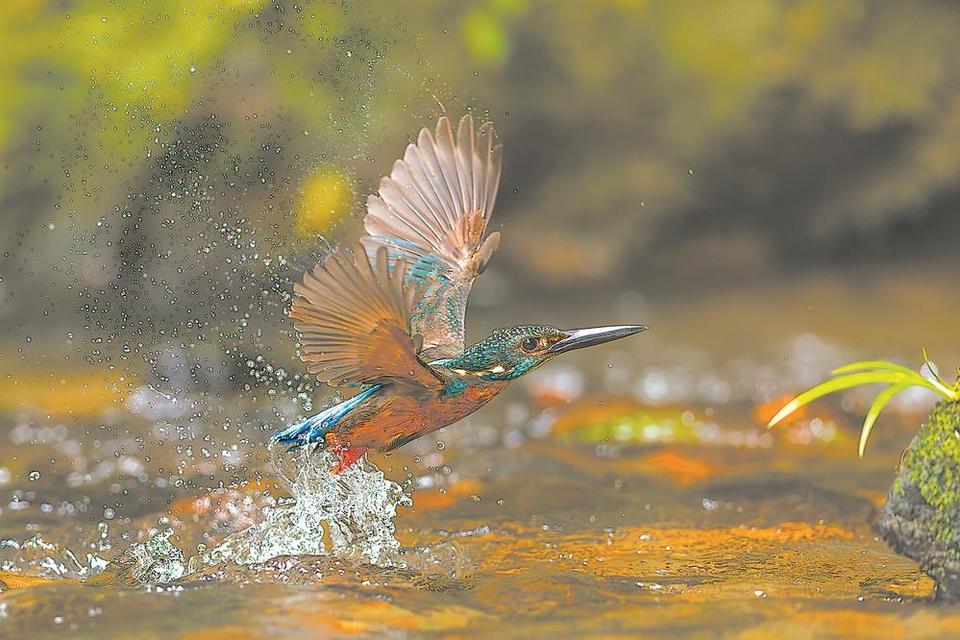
pixel 507 354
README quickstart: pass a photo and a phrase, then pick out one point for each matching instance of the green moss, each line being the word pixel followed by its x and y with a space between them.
pixel 932 463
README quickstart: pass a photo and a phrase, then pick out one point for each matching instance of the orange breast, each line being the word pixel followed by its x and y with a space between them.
pixel 403 418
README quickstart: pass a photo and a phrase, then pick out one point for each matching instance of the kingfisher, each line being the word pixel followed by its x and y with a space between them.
pixel 386 317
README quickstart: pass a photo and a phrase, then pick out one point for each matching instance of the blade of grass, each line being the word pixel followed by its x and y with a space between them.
pixel 838 384
pixel 879 403
pixel 936 386
pixel 871 365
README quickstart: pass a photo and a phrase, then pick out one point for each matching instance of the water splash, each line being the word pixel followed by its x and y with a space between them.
pixel 348 515
pixel 157 561
pixel 36 556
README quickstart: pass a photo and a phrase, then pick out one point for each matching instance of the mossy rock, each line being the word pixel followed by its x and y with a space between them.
pixel 921 517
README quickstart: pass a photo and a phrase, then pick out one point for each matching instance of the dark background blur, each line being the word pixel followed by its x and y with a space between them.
pixel 168 169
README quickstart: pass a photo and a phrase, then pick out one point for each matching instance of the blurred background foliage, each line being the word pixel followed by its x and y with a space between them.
pixel 168 167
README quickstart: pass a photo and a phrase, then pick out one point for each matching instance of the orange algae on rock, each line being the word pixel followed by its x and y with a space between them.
pixel 683 469
pixel 370 616
pixel 436 499
pixel 764 411
pixel 688 567
pixel 10 581
pixel 619 549
pixel 230 632
pixel 731 537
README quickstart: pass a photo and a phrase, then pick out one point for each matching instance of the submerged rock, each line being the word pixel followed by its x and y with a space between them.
pixel 921 517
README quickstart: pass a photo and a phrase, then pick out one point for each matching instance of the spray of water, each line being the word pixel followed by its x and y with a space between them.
pixel 348 514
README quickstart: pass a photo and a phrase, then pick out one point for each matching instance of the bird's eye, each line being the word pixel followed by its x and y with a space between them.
pixel 529 344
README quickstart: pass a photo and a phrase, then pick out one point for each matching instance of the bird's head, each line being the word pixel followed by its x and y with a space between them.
pixel 507 354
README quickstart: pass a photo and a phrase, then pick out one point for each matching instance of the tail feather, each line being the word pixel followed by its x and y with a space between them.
pixel 304 432
pixel 316 427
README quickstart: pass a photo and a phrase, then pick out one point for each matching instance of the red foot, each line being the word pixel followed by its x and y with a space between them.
pixel 346 456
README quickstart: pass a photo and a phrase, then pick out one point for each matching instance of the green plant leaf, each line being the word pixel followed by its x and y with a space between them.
pixel 838 384
pixel 897 378
pixel 872 365
pixel 937 386
pixel 879 403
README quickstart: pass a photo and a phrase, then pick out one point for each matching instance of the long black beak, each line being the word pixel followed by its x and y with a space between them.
pixel 580 338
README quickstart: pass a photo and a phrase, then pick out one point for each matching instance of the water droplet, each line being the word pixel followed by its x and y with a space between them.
pixel 33 476
pixel 440 445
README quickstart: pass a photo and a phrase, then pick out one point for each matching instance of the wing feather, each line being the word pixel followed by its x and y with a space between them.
pixel 353 316
pixel 431 214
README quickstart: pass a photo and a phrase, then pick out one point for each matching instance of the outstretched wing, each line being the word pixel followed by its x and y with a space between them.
pixel 353 317
pixel 431 213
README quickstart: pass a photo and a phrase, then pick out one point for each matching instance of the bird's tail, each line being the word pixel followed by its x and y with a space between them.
pixel 303 433
pixel 315 428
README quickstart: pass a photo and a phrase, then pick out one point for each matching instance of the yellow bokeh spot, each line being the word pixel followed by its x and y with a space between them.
pixel 325 199
pixel 485 37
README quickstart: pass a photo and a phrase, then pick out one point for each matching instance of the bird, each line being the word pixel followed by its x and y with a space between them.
pixel 386 316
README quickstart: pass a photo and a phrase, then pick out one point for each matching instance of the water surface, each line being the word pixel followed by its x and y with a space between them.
pixel 627 491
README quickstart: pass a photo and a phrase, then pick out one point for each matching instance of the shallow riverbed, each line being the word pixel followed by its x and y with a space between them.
pixel 629 492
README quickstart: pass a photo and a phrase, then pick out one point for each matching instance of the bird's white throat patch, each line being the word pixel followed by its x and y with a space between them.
pixel 498 369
